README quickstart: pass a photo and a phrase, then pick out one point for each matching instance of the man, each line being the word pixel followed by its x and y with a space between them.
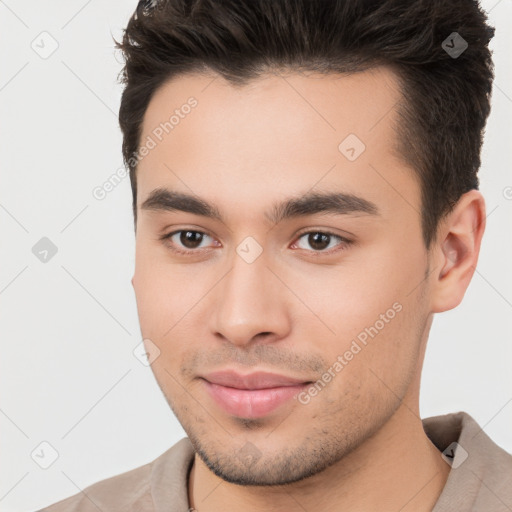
pixel 305 196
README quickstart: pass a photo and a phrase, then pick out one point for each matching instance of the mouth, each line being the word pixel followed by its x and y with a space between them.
pixel 252 381
pixel 251 396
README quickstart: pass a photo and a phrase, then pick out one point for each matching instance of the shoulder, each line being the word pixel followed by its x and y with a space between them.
pixel 128 491
pixel 481 471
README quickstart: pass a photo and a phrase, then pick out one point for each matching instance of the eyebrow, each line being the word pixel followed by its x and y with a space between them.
pixel 338 203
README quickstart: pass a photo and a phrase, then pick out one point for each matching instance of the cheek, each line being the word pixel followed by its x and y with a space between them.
pixel 169 298
pixel 373 319
pixel 350 297
pixel 165 292
pixel 366 378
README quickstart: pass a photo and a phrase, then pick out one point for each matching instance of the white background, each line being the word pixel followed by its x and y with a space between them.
pixel 69 326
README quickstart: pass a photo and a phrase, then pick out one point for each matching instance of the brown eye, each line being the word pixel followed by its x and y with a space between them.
pixel 185 241
pixel 189 239
pixel 318 241
pixel 322 242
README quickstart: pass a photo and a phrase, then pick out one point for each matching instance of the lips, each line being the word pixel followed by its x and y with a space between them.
pixel 251 396
pixel 256 380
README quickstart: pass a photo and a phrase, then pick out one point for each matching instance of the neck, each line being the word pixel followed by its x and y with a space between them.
pixel 398 468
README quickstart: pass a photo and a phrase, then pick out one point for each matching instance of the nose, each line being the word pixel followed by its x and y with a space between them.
pixel 251 303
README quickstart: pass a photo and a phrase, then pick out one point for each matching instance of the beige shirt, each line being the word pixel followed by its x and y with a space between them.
pixel 480 479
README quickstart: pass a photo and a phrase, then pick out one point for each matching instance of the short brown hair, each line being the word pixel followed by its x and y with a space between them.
pixel 446 96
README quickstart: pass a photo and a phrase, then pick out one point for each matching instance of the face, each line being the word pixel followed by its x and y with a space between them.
pixel 330 292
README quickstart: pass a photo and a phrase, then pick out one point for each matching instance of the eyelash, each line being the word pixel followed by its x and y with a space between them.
pixel 342 246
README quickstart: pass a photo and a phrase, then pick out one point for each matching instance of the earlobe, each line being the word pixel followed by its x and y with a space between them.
pixel 458 247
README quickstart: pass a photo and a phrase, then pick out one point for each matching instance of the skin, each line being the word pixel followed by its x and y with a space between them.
pixel 359 442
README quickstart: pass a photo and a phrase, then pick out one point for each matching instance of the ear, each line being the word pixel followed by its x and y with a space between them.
pixel 456 250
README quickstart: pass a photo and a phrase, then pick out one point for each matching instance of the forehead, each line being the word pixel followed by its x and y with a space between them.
pixel 283 132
